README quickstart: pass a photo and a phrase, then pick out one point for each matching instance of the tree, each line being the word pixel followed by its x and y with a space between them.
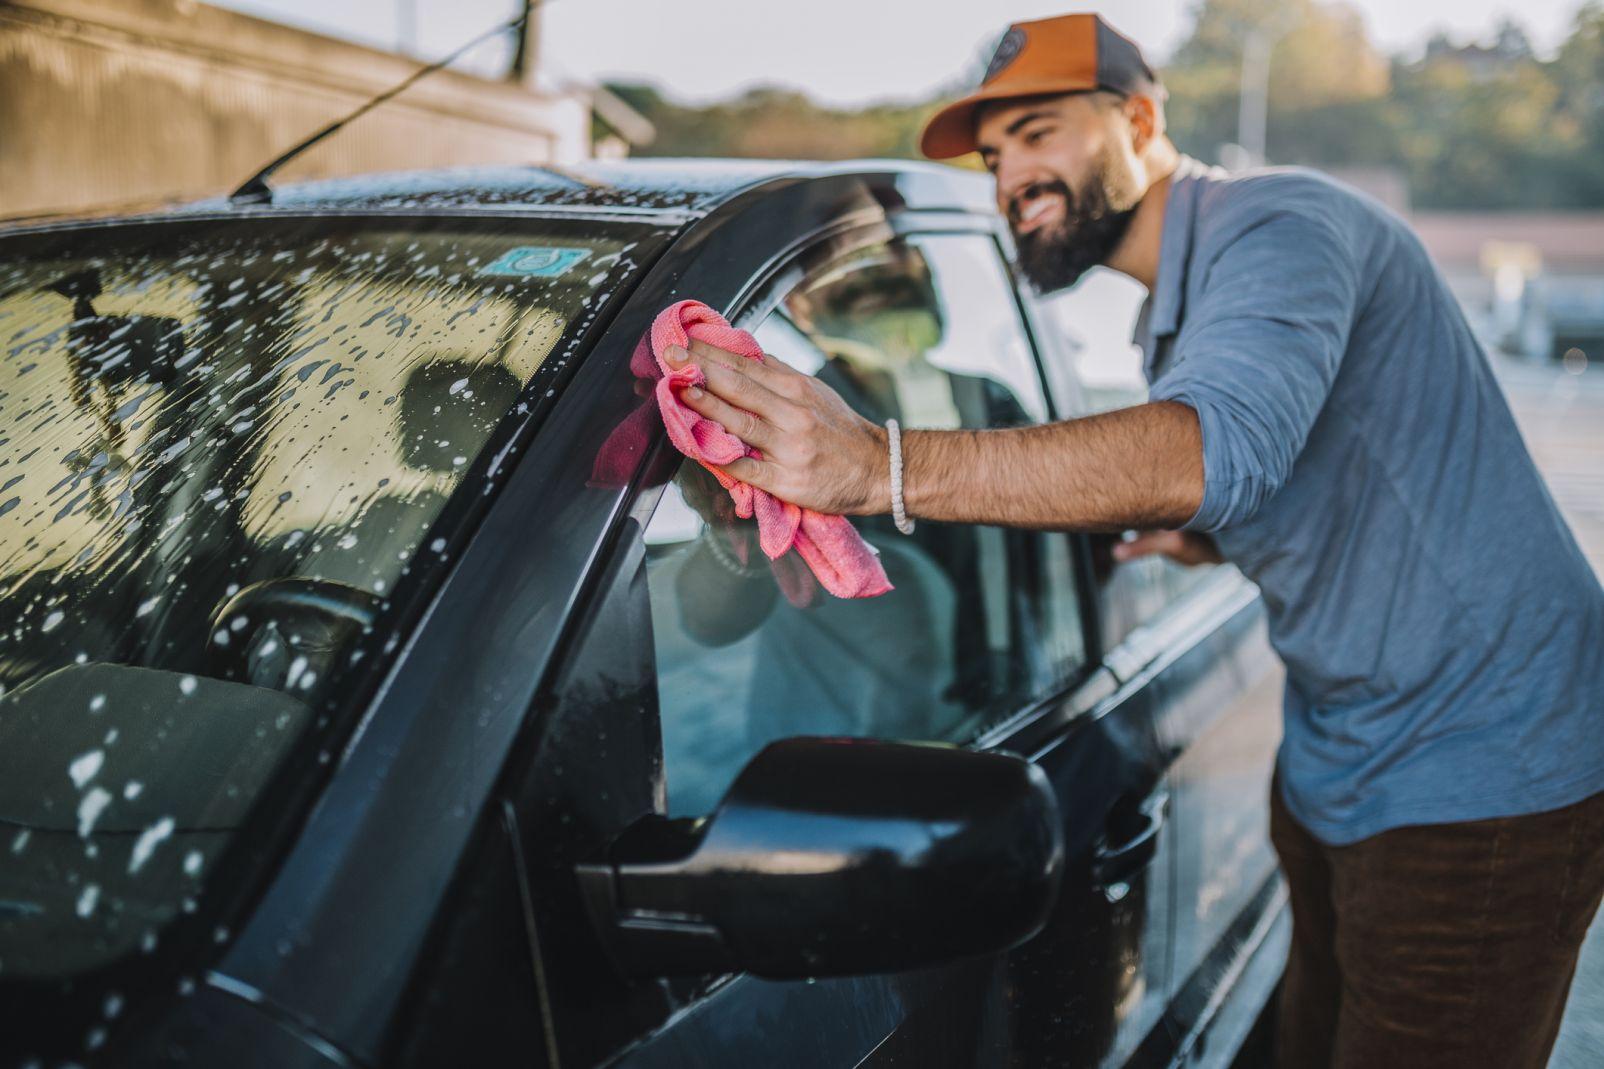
pixel 1480 125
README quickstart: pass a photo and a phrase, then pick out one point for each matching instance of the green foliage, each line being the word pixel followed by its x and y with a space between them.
pixel 778 124
pixel 1469 127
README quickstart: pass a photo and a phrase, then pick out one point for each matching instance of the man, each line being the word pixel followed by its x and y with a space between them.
pixel 1321 416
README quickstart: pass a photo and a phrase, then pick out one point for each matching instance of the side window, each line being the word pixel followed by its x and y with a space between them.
pixel 982 620
pixel 1095 322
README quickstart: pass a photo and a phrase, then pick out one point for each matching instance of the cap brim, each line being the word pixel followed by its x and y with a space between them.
pixel 951 131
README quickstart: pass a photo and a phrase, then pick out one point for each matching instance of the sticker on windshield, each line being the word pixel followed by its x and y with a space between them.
pixel 536 261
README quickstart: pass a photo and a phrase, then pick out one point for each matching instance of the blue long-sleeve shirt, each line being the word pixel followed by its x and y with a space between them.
pixel 1443 633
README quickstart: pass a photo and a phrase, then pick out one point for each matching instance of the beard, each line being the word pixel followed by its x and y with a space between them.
pixel 1055 257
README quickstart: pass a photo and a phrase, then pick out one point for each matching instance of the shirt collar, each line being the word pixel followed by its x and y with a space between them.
pixel 1175 248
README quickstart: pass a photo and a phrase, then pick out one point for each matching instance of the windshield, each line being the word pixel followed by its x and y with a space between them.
pixel 224 448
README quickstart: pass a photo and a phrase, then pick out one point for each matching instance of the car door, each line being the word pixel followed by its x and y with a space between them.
pixel 984 643
pixel 1197 634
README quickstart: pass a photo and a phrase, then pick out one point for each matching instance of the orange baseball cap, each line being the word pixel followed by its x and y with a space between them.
pixel 1067 54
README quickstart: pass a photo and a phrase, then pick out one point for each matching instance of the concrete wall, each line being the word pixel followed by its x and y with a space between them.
pixel 108 105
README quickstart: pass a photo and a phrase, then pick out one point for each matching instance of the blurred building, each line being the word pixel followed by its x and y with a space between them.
pixel 108 105
pixel 1532 283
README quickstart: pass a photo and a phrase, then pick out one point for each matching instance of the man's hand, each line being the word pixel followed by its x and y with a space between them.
pixel 1182 547
pixel 817 452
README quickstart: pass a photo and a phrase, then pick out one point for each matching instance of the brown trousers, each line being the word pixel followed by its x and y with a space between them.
pixel 1441 945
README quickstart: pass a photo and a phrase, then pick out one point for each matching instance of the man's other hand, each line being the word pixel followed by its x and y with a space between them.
pixel 1183 547
pixel 816 452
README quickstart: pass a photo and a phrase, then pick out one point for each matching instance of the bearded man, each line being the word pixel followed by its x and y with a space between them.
pixel 1321 416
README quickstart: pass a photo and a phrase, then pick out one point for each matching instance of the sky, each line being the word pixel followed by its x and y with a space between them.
pixel 842 52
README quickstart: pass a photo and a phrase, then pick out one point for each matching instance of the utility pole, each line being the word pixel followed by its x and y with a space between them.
pixel 1253 109
pixel 525 59
pixel 406 27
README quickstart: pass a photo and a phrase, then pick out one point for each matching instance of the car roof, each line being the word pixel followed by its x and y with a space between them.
pixel 671 191
pixel 643 186
pixel 653 186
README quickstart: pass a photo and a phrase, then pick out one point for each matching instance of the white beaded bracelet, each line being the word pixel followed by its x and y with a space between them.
pixel 899 512
pixel 726 559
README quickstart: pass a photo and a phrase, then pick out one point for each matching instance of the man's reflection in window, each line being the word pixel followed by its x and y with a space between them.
pixel 923 662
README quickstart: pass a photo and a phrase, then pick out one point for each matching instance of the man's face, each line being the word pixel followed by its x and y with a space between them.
pixel 1068 180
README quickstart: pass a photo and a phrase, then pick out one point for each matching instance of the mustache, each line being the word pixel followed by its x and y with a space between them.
pixel 1036 189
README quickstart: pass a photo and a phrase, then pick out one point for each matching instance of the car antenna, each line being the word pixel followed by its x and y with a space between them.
pixel 255 189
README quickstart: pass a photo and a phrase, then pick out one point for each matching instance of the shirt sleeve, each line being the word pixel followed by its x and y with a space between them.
pixel 1257 355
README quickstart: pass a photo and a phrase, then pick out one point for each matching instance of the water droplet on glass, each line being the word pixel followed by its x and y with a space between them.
pixel 90 808
pixel 84 767
pixel 147 843
pixel 88 899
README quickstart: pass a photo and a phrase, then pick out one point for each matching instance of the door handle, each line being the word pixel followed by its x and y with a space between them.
pixel 1114 865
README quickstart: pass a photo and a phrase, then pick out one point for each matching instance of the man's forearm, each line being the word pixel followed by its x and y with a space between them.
pixel 1137 467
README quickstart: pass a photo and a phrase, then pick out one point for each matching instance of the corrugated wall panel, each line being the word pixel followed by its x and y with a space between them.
pixel 99 114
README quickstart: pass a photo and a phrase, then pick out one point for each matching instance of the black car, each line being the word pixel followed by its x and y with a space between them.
pixel 381 688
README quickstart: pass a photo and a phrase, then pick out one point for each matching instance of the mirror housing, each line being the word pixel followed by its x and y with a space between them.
pixel 118 350
pixel 836 857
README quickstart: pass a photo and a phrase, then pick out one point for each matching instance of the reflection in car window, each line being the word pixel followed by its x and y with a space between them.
pixel 221 455
pixel 924 330
pixel 1095 321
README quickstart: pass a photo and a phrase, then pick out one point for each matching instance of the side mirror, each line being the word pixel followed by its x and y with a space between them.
pixel 115 349
pixel 836 857
pixel 128 350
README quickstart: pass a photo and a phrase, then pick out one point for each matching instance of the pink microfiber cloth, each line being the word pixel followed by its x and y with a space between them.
pixel 831 546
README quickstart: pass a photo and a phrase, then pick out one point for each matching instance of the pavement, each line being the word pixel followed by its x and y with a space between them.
pixel 1561 415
